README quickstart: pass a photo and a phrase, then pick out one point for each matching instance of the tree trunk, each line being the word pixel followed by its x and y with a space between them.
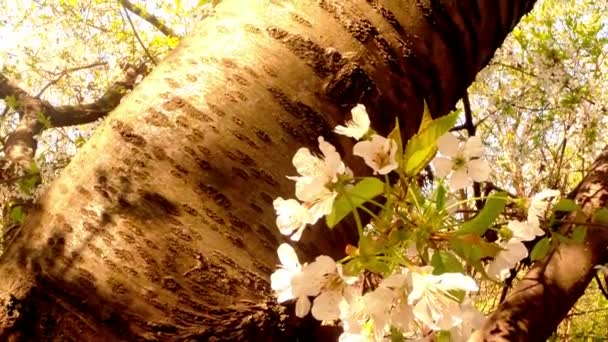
pixel 162 227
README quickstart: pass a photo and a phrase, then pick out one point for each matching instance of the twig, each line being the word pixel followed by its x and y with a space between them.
pixel 137 36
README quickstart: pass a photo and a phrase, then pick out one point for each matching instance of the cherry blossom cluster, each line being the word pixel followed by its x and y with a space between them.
pixel 409 295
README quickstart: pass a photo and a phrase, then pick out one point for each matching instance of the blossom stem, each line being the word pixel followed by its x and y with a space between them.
pixel 355 214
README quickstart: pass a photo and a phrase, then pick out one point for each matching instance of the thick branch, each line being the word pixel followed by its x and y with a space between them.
pixel 20 144
pixel 553 285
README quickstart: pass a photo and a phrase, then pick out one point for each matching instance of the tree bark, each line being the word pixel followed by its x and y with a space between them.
pixel 162 227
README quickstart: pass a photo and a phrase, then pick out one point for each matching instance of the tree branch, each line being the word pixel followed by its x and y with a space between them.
pixel 553 285
pixel 20 144
pixel 149 17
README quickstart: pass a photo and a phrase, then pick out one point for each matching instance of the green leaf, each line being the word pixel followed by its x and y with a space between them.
pixel 484 219
pixel 601 215
pixel 352 198
pixel 566 205
pixel 396 335
pixel 444 261
pixel 44 120
pixel 443 336
pixel 541 249
pixel 440 196
pixel 579 233
pixel 422 146
pixel 427 118
pixel 17 214
pixel 395 134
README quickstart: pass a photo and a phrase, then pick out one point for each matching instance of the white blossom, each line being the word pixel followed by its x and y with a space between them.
pixel 513 252
pixel 538 204
pixel 434 305
pixel 280 280
pixel 358 126
pixel 472 320
pixel 291 216
pixel 316 176
pixel 379 153
pixel 460 161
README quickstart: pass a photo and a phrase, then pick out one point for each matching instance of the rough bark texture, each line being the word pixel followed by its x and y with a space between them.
pixel 162 228
pixel 541 300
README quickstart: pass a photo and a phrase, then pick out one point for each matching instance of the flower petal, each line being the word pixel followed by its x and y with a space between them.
pixel 473 147
pixel 288 257
pixel 443 166
pixel 358 126
pixel 459 179
pixel 448 145
pixel 326 307
pixel 478 170
pixel 302 306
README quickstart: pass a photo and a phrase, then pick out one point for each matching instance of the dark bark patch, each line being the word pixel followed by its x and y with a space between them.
pixel 241 80
pixel 323 61
pixel 216 110
pixel 265 176
pixel 127 133
pixel 240 157
pixel 116 286
pixel 220 199
pixel 238 121
pixel 360 29
pixel 256 208
pixel 252 29
pixel 350 85
pixel 173 83
pixel 240 173
pixel 203 164
pixel 188 209
pixel 251 72
pixel 267 234
pixel 229 63
pixel 158 203
pixel 214 216
pixel 181 233
pixel 170 284
pixel 300 20
pixel 266 197
pixel 189 151
pixel 312 123
pixel 157 119
pixel 150 244
pixel 240 136
pixel 128 238
pixel 265 137
pixel 178 103
pixel 389 16
pixel 269 70
pixel 159 152
pixel 237 223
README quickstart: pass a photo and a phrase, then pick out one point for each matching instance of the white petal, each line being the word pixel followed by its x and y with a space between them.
pixel 525 231
pixel 459 179
pixel 288 257
pixel 448 145
pixel 501 266
pixel 326 306
pixel 333 163
pixel 473 147
pixel 457 281
pixel 302 306
pixel 479 170
pixel 306 163
pixel 378 153
pixel 358 126
pixel 443 166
